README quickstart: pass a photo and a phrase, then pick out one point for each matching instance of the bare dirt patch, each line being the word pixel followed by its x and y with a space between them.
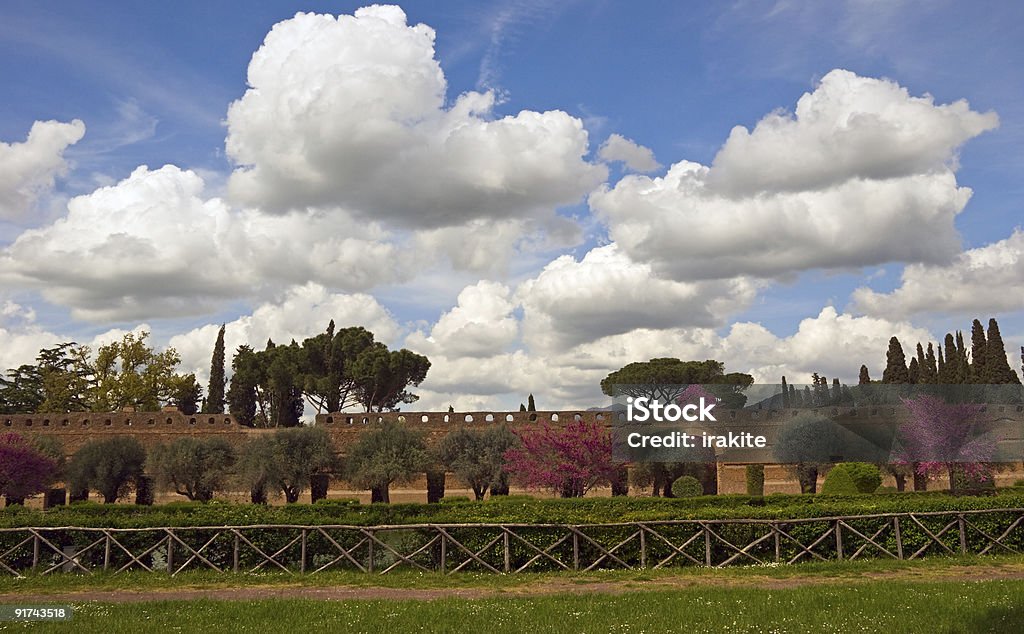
pixel 544 587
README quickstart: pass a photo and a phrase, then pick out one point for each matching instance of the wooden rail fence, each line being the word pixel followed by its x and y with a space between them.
pixel 509 548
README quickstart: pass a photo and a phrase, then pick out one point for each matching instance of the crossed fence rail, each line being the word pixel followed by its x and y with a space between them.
pixel 508 547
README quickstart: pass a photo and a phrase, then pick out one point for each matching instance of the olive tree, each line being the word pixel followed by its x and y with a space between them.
pixel 111 466
pixel 476 456
pixel 193 467
pixel 392 453
pixel 285 461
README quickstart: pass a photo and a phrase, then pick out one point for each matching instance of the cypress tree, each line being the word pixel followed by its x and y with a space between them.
pixel 785 393
pixel 794 398
pixel 920 357
pixel 530 405
pixel 522 408
pixel 837 391
pixel 962 366
pixel 214 403
pixel 864 377
pixel 999 370
pixel 895 364
pixel 942 374
pixel 930 369
pixel 979 354
pixel 914 371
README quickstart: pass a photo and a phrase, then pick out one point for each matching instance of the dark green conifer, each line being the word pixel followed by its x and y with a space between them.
pixel 895 364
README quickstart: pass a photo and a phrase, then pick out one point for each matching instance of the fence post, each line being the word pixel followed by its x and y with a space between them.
pixel 707 545
pixel 106 551
pixel 234 555
pixel 575 550
pixel 170 554
pixel 963 532
pixel 778 542
pixel 302 553
pixel 508 555
pixel 444 552
pixel 369 563
pixel 643 547
pixel 839 539
pixel 899 535
pixel 35 550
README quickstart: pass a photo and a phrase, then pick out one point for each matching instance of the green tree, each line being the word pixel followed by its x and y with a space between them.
pixel 664 379
pixel 244 399
pixel 303 452
pixel 806 444
pixel 531 405
pixel 476 456
pixel 185 393
pixel 129 373
pixel 326 369
pixel 215 389
pixel 392 453
pixel 979 354
pixel 997 365
pixel 111 466
pixel 382 377
pixel 258 466
pixel 193 467
pixel 895 364
pixel 864 378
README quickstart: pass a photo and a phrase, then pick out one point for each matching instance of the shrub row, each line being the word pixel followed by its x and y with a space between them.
pixel 512 509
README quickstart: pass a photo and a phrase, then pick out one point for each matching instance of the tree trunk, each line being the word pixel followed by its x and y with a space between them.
pixel 901 482
pixel 500 487
pixel 920 480
pixel 380 494
pixel 435 486
pixel 620 483
pixel 258 496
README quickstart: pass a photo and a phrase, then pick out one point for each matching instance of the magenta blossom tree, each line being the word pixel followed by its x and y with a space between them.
pixel 568 460
pixel 941 437
pixel 24 471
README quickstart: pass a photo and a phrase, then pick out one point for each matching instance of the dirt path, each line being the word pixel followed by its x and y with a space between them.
pixel 542 588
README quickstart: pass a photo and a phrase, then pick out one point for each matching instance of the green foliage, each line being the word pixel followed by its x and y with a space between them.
pixel 687 487
pixel 806 443
pixel 531 405
pixel 895 364
pixel 110 466
pixel 285 461
pixel 303 452
pixel 243 393
pixel 186 393
pixel 865 476
pixel 392 453
pixel 381 376
pixel 476 456
pixel 129 373
pixel 839 482
pixel 215 391
pixel 661 379
pixel 193 467
pixel 755 479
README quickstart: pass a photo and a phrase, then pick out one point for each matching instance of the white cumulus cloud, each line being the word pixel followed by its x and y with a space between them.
pixel 839 184
pixel 636 157
pixel 351 111
pixel 988 279
pixel 29 169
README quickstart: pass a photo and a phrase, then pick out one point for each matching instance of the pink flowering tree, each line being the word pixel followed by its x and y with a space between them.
pixel 942 437
pixel 24 471
pixel 568 460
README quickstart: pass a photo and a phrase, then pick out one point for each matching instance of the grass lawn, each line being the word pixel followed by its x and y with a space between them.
pixel 881 606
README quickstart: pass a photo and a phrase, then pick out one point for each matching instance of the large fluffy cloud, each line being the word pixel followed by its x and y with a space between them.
pixel 153 246
pixel 606 293
pixel 351 111
pixel 481 324
pixel 988 279
pixel 29 169
pixel 839 184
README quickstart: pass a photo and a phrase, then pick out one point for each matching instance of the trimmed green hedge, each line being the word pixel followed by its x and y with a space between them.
pixel 501 510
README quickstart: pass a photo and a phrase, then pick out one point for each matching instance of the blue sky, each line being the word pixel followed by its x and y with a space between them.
pixel 153 82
